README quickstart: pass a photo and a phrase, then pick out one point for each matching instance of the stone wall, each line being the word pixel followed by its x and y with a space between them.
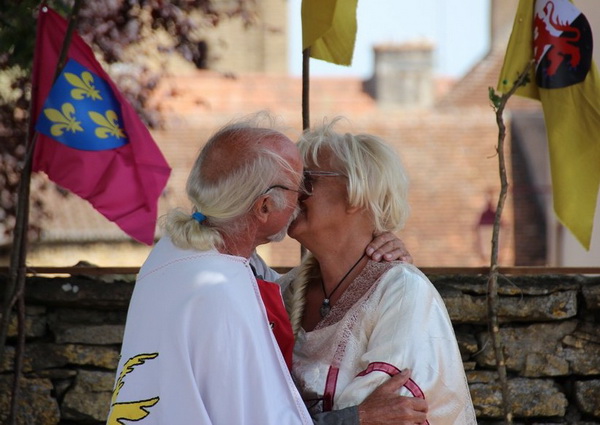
pixel 549 327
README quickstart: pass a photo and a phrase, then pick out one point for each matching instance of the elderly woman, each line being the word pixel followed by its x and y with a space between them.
pixel 356 321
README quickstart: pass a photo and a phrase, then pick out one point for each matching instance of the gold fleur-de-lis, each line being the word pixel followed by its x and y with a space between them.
pixel 63 120
pixel 85 86
pixel 109 124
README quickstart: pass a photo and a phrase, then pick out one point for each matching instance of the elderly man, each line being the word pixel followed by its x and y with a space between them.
pixel 202 333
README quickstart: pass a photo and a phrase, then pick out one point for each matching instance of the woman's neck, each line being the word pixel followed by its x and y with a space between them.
pixel 337 260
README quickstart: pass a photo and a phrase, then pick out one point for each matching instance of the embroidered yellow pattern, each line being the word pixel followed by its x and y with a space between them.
pixel 109 124
pixel 132 410
pixel 84 86
pixel 63 120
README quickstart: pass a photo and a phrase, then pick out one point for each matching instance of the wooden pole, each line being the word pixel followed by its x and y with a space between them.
pixel 305 104
pixel 492 296
pixel 15 288
pixel 306 89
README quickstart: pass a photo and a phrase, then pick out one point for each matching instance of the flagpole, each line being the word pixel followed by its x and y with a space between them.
pixel 306 89
pixel 15 288
pixel 305 104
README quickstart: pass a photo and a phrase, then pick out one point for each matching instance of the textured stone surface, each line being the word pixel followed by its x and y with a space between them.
pixel 473 309
pixel 587 395
pixel 530 398
pixel 591 295
pixel 509 286
pixel 540 364
pixel 36 404
pixel 39 356
pixel 467 343
pixel 78 292
pixel 35 322
pixel 582 349
pixel 519 343
pixel 89 399
pixel 89 334
pixel 74 329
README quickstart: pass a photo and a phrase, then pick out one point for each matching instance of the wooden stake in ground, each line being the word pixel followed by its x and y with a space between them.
pixel 499 103
pixel 15 289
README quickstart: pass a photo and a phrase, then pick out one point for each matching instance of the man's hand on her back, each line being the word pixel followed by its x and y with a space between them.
pixel 384 406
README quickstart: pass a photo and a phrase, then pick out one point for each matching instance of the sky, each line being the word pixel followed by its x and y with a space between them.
pixel 458 28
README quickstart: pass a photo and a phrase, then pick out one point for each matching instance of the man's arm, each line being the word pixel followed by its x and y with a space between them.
pixel 384 406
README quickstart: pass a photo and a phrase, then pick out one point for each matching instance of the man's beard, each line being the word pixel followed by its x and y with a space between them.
pixel 279 236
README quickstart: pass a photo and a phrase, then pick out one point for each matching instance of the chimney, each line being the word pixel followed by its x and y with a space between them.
pixel 403 74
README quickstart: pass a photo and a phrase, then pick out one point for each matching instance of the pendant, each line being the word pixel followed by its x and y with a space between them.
pixel 325 308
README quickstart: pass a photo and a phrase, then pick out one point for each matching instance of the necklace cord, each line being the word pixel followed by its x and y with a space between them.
pixel 327 298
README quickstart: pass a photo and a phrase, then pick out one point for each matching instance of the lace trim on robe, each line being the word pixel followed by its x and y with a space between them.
pixel 365 281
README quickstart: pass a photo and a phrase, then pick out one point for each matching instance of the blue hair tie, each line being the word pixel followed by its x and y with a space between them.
pixel 199 217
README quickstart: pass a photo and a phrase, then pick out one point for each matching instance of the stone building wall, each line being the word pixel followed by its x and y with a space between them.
pixel 549 326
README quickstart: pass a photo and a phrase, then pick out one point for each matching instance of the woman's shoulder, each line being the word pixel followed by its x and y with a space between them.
pixel 404 277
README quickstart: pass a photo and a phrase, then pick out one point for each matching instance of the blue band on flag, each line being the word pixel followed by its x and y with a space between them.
pixel 82 112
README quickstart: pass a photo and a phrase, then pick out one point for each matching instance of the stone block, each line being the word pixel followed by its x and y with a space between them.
pixel 554 306
pixel 508 285
pixel 541 364
pixel 584 360
pixel 78 292
pixel 467 344
pixel 40 356
pixel 591 295
pixel 88 334
pixel 88 316
pixel 519 343
pixel 464 308
pixel 35 324
pixel 529 398
pixel 89 399
pixel 36 404
pixel 587 396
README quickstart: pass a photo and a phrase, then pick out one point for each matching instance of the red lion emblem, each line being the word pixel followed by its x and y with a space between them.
pixel 560 47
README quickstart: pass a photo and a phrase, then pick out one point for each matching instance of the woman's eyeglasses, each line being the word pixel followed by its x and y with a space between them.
pixel 309 176
pixel 306 188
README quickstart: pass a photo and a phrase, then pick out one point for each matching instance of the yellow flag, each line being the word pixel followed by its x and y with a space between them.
pixel 329 29
pixel 564 78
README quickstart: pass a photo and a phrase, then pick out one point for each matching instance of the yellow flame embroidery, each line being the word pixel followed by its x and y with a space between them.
pixel 109 124
pixel 132 410
pixel 63 120
pixel 85 86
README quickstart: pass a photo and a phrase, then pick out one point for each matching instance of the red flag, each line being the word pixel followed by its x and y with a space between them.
pixel 113 163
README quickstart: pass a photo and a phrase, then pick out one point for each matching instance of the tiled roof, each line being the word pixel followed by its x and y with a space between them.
pixel 449 153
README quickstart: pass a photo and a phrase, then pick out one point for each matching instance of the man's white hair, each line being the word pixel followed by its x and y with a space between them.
pixel 227 200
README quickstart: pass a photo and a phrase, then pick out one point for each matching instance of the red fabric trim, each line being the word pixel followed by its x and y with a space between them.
pixel 278 318
pixel 392 370
pixel 330 385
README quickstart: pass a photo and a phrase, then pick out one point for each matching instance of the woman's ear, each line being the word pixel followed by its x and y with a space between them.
pixel 351 210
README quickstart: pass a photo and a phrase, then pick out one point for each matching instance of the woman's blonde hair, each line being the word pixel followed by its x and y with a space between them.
pixel 377 180
pixel 226 201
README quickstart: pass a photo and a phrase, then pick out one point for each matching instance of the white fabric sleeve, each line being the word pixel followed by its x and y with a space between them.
pixel 410 328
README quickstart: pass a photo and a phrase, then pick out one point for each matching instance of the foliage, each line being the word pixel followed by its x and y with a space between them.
pixel 113 28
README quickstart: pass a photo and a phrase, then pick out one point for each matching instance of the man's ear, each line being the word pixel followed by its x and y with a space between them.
pixel 262 208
